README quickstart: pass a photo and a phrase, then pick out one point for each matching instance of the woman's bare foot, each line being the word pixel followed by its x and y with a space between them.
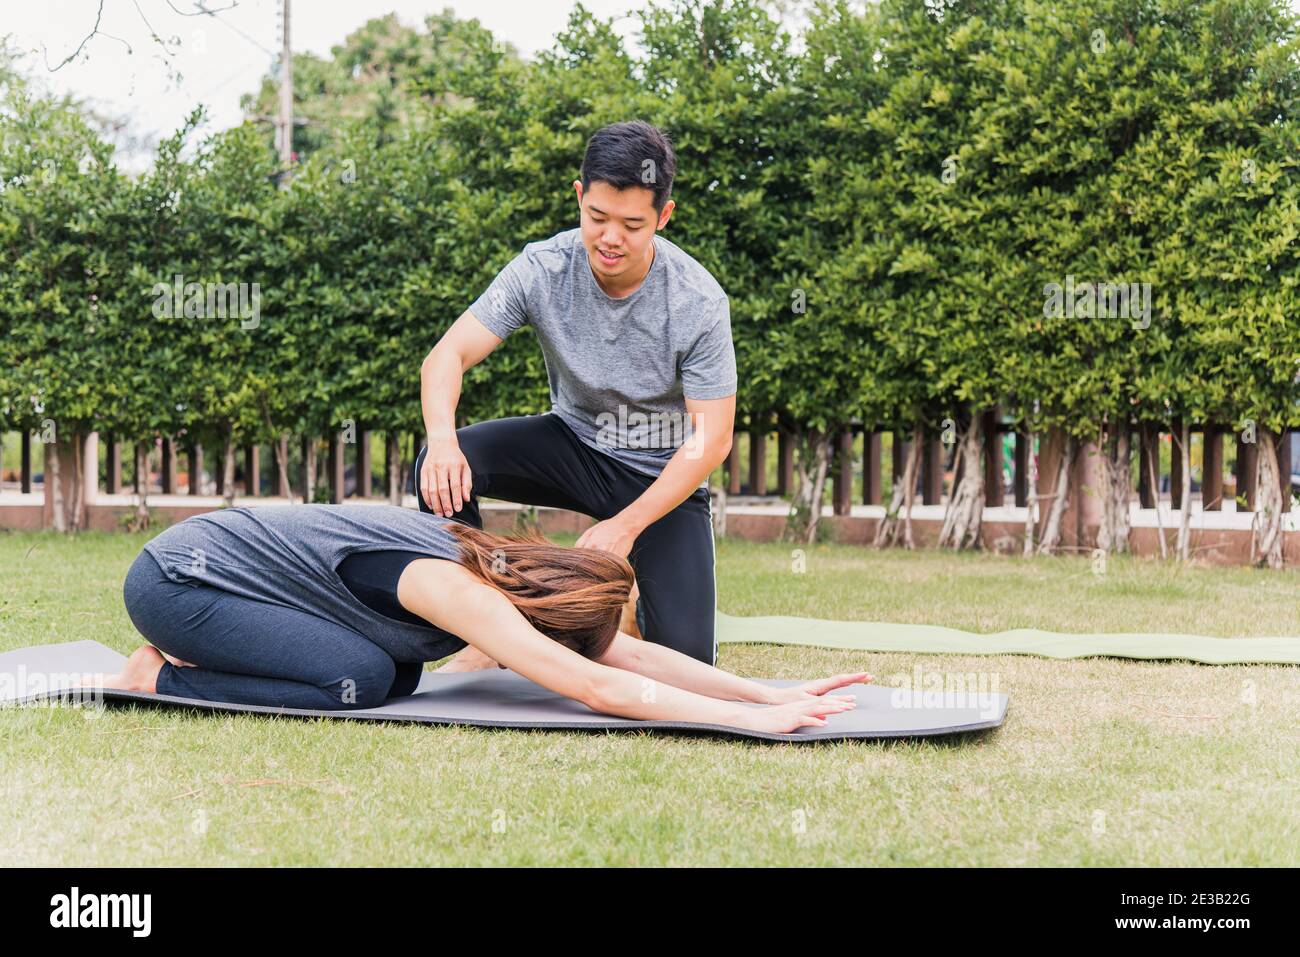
pixel 627 622
pixel 176 662
pixel 468 658
pixel 140 673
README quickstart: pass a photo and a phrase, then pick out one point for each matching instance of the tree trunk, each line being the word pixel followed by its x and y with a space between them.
pixel 527 519
pixel 812 463
pixel 393 463
pixel 309 469
pixel 140 521
pixel 1117 478
pixel 228 469
pixel 281 455
pixel 1184 451
pixel 961 521
pixel 901 498
pixel 719 493
pixel 1051 539
pixel 405 474
pixel 1153 469
pixel 1266 526
pixel 59 517
pixel 282 465
pixel 78 482
pixel 1031 492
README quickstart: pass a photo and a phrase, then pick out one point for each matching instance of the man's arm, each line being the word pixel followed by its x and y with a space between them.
pixel 713 420
pixel 708 372
pixel 445 481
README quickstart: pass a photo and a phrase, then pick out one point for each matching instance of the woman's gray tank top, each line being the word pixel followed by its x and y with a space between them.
pixel 287 554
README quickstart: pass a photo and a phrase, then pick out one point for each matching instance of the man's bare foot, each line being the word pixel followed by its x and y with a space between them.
pixel 140 673
pixel 468 658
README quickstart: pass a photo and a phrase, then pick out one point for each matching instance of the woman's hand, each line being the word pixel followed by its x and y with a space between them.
pixel 812 690
pixel 445 479
pixel 811 711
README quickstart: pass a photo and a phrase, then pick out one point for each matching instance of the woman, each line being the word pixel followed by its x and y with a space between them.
pixel 339 606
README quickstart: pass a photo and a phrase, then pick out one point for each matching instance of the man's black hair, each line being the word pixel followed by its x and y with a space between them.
pixel 631 154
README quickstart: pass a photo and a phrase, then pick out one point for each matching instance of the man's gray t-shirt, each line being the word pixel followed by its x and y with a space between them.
pixel 620 369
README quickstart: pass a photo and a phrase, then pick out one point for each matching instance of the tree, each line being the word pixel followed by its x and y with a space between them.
pixel 58 181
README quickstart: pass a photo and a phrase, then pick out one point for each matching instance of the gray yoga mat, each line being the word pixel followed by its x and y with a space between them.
pixel 502 699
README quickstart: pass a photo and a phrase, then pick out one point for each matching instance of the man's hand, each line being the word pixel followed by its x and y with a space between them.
pixel 445 479
pixel 615 535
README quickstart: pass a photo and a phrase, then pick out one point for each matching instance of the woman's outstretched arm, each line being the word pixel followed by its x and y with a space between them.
pixel 682 671
pixel 449 596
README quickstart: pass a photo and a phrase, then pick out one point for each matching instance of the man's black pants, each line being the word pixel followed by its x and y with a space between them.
pixel 537 460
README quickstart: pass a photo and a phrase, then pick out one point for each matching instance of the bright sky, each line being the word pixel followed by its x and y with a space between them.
pixel 217 62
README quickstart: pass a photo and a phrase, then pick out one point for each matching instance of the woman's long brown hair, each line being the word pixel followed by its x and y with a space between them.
pixel 573 595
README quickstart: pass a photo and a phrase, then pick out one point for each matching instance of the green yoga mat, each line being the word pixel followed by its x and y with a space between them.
pixel 936 639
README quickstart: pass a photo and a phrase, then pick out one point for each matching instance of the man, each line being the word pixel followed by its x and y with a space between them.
pixel 637 340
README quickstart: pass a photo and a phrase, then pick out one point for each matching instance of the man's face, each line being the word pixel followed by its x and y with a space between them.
pixel 618 228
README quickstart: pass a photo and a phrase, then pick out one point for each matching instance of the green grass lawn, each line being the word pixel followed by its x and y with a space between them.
pixel 1100 762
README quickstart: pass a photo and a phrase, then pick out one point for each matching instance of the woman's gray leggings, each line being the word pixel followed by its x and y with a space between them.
pixel 254 652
